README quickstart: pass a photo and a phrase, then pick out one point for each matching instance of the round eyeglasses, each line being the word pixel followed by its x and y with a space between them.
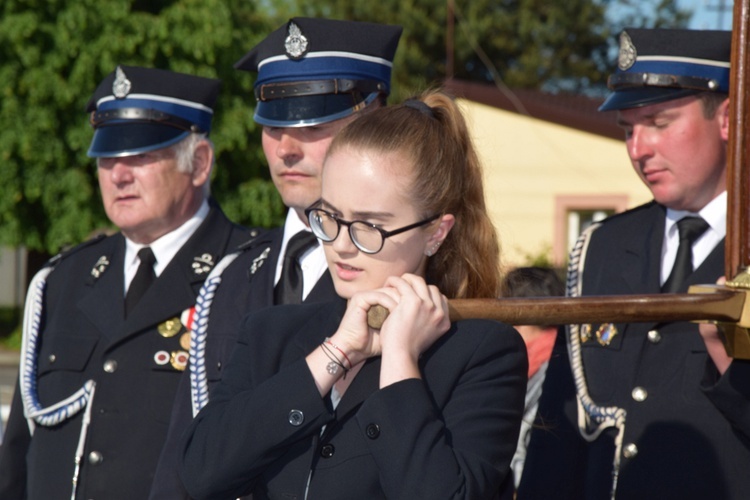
pixel 366 236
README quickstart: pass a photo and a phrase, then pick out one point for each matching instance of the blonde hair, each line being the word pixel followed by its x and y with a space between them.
pixel 431 134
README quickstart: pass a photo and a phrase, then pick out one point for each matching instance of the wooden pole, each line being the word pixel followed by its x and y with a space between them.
pixel 737 257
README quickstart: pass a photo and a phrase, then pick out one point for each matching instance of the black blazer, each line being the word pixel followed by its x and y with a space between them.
pixel 450 435
pixel 84 337
pixel 686 447
pixel 246 286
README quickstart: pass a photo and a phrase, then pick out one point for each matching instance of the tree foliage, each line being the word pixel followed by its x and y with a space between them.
pixel 53 53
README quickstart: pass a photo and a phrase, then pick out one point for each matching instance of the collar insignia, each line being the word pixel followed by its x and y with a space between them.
pixel 259 260
pixel 626 57
pixel 121 86
pixel 203 264
pixel 295 43
pixel 100 266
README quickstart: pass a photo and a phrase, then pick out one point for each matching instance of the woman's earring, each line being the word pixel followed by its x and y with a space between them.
pixel 432 251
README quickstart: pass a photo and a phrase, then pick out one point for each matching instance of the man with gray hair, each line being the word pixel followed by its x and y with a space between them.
pixel 105 329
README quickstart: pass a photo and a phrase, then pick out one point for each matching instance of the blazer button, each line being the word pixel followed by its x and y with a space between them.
pixel 110 366
pixel 327 451
pixel 296 417
pixel 372 431
pixel 95 458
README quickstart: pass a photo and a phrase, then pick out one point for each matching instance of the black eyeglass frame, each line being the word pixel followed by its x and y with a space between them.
pixel 339 222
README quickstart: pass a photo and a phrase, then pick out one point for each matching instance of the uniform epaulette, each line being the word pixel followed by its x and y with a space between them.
pixel 618 216
pixel 70 251
pixel 256 234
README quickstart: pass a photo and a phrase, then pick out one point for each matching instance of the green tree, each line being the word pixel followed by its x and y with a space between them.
pixel 53 53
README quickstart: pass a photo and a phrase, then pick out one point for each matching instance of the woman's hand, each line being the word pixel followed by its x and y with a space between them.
pixel 714 344
pixel 419 318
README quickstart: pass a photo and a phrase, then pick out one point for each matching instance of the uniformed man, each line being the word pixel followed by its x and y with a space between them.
pixel 634 422
pixel 104 336
pixel 314 77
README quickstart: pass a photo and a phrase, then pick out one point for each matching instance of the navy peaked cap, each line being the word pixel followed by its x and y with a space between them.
pixel 135 110
pixel 657 65
pixel 313 71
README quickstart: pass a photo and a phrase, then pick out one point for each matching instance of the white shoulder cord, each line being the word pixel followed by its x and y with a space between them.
pixel 198 380
pixel 32 408
pixel 592 419
pixel 33 411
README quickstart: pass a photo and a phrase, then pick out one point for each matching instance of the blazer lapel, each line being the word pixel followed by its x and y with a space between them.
pixel 641 269
pixel 104 304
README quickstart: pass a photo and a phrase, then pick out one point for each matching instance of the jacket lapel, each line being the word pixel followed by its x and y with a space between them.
pixel 641 269
pixel 104 304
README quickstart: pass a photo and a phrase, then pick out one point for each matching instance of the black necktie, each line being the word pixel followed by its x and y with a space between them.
pixel 289 288
pixel 142 279
pixel 690 229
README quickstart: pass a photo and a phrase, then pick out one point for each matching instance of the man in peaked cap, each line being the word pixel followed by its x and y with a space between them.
pixel 103 359
pixel 313 77
pixel 635 419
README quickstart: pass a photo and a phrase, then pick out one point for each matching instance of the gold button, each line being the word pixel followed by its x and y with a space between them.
pixel 639 394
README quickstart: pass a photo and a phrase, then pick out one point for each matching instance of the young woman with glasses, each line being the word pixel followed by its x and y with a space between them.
pixel 316 404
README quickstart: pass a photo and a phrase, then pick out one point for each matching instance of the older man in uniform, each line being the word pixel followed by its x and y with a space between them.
pixel 314 77
pixel 642 426
pixel 104 341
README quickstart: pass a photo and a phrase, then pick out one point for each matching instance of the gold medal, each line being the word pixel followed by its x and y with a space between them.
pixel 179 360
pixel 606 333
pixel 170 327
pixel 185 341
pixel 585 332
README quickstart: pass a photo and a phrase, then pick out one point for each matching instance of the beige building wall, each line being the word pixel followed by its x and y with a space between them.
pixel 536 172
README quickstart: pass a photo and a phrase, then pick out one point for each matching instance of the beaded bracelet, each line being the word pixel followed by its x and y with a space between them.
pixel 328 341
pixel 333 365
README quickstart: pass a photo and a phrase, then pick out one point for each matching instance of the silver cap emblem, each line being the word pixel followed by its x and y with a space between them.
pixel 121 86
pixel 295 42
pixel 627 55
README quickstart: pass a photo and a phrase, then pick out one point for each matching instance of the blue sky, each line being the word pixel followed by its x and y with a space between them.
pixel 707 15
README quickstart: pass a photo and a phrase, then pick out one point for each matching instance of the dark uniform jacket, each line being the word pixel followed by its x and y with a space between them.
pixel 677 442
pixel 247 285
pixel 83 336
pixel 450 435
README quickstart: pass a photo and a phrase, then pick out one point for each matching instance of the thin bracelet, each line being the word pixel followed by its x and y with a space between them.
pixel 333 365
pixel 328 341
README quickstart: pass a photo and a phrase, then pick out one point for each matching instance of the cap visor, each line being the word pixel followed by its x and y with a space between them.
pixel 642 96
pixel 125 139
pixel 308 110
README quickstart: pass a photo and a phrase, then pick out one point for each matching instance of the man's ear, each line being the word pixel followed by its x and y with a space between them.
pixel 203 160
pixel 723 113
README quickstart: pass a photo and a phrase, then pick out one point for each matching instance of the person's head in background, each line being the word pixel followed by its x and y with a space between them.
pixel 151 146
pixel 671 94
pixel 314 77
pixel 411 166
pixel 529 282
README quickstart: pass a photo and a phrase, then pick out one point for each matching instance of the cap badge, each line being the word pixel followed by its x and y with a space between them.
pixel 627 55
pixel 121 86
pixel 295 42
